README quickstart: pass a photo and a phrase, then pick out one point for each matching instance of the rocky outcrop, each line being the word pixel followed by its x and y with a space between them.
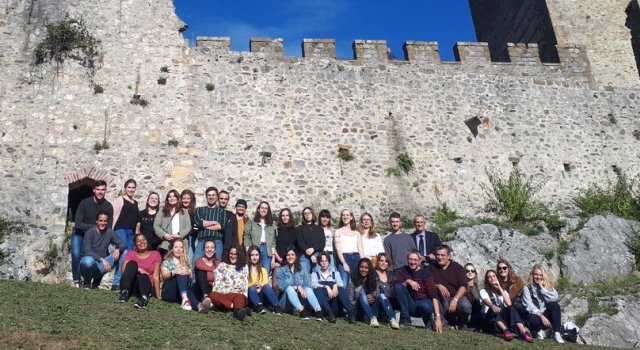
pixel 483 245
pixel 620 330
pixel 600 252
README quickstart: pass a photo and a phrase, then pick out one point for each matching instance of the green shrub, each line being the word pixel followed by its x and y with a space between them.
pixel 162 81
pixel 67 39
pixel 50 259
pixel 443 219
pixel 210 87
pixel 563 284
pixel 164 69
pixel 513 197
pixel 345 154
pixel 620 199
pixel 393 171
pixel 98 89
pixel 405 163
pixel 172 143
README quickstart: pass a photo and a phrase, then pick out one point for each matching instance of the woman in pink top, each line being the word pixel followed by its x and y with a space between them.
pixel 141 273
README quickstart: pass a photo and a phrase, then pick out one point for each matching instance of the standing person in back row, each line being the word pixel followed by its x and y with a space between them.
pixel 310 240
pixel 207 221
pixel 451 281
pixel 229 227
pixel 86 220
pixel 426 241
pixel 125 220
pixel 398 243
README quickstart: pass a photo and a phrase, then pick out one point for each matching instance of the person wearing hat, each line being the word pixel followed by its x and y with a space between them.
pixel 242 219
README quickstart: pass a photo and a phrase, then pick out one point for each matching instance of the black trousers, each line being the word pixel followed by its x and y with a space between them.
pixel 133 281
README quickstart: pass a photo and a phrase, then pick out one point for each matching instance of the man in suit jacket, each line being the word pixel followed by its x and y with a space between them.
pixel 426 241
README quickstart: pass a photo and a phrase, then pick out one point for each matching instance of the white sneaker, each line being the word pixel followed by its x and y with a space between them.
pixel 205 306
pixel 541 334
pixel 186 305
pixel 394 323
pixel 374 322
pixel 558 338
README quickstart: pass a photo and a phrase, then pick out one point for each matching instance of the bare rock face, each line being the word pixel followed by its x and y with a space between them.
pixel 600 251
pixel 572 307
pixel 483 245
pixel 619 330
pixel 14 264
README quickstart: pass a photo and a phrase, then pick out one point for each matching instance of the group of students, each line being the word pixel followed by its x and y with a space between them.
pixel 210 258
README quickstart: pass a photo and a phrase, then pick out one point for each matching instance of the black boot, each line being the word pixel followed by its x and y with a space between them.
pixel 351 315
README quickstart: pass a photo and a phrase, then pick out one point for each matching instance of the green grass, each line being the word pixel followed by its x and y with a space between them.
pixel 36 315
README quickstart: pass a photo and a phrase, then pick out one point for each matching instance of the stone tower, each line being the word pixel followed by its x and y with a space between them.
pixel 608 29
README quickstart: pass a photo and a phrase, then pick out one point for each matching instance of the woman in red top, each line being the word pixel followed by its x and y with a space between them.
pixel 141 273
pixel 205 268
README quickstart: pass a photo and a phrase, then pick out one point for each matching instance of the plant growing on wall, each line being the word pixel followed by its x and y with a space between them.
pixel 405 163
pixel 210 87
pixel 98 89
pixel 345 154
pixel 172 143
pixel 68 39
pixel 393 171
pixel 162 81
pixel 164 69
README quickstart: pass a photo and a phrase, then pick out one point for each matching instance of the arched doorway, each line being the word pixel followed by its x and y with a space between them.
pixel 80 187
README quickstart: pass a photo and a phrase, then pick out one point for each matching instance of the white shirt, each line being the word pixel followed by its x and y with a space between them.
pixel 372 246
pixel 175 223
pixel 263 239
pixel 499 300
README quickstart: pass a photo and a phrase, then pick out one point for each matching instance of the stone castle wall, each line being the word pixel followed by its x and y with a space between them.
pixel 550 119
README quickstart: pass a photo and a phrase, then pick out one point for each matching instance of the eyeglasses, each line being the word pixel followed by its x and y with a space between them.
pixel 502 268
pixel 471 271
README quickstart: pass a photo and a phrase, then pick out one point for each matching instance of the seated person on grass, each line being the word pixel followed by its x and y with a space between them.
pixel 96 261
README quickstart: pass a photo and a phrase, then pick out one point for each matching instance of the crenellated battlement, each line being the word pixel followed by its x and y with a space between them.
pixel 573 59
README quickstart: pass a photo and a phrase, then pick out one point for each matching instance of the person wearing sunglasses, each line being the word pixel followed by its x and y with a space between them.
pixel 512 283
pixel 473 294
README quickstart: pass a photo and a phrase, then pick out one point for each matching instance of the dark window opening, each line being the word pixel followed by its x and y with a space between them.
pixel 78 191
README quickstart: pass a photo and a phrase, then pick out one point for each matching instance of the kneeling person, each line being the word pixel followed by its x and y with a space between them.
pixel 96 260
pixel 416 293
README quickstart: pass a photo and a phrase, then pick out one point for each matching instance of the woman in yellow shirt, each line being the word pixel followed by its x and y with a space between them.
pixel 259 287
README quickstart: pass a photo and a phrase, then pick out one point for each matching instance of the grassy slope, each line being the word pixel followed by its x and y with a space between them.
pixel 35 315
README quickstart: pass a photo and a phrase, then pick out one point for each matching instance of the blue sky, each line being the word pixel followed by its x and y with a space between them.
pixel 444 21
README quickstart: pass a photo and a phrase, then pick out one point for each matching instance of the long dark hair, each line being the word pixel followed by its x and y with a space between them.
pixel 368 283
pixel 259 264
pixel 147 206
pixel 296 264
pixel 291 223
pixel 241 262
pixel 166 210
pixel 192 204
pixel 268 219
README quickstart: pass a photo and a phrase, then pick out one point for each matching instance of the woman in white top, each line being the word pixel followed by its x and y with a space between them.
pixel 325 223
pixel 347 244
pixel 499 311
pixel 371 240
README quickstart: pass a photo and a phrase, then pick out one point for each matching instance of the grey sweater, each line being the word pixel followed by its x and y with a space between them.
pixel 96 244
pixel 397 246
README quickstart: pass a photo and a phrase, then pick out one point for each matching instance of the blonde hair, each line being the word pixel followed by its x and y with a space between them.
pixel 184 259
pixel 547 282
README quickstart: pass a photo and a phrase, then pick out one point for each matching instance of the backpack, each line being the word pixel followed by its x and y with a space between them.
pixel 570 332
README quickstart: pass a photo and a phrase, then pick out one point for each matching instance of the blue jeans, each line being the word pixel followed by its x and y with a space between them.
pixel 306 263
pixel 373 309
pixel 335 305
pixel 174 288
pixel 126 235
pixel 266 257
pixel 92 269
pixel 352 261
pixel 412 307
pixel 290 297
pixel 77 238
pixel 257 298
pixel 461 315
